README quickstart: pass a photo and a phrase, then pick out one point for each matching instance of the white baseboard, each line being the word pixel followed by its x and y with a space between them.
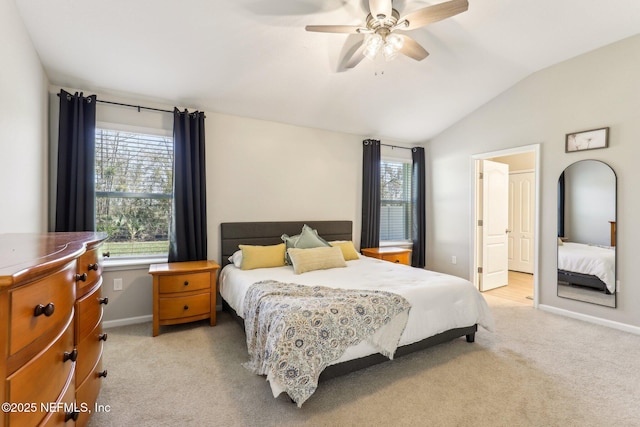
pixel 591 319
pixel 128 321
pixel 134 320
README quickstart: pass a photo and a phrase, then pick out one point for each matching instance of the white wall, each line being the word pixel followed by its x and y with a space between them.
pixel 266 171
pixel 23 128
pixel 594 90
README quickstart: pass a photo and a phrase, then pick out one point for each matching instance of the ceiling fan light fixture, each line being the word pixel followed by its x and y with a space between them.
pixel 395 41
pixel 389 51
pixel 372 45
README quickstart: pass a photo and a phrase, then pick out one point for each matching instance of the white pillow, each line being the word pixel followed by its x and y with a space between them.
pixel 236 258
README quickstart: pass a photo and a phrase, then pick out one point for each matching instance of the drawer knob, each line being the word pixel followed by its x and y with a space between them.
pixel 186 307
pixel 104 300
pixel 106 254
pixel 73 356
pixel 82 277
pixel 73 415
pixel 186 283
pixel 102 374
pixel 93 267
pixel 397 261
pixel 102 337
pixel 47 310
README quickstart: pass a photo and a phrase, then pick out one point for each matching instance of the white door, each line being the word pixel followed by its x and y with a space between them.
pixel 521 201
pixel 495 224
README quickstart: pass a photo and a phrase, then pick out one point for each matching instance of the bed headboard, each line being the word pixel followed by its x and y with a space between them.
pixel 233 234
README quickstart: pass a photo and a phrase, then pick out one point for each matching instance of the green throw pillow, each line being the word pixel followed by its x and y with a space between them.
pixel 307 239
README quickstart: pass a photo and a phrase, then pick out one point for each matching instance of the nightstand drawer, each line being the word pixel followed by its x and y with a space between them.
pixel 397 258
pixel 184 282
pixel 178 307
pixel 390 254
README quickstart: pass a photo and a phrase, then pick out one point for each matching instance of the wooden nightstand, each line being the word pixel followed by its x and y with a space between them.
pixel 391 254
pixel 183 292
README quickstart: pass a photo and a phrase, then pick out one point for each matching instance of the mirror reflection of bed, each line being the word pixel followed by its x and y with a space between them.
pixel 587 233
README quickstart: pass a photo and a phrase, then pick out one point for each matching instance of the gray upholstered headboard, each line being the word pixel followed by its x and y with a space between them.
pixel 233 234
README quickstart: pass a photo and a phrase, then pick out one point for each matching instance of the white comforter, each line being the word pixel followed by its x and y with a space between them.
pixel 597 261
pixel 439 302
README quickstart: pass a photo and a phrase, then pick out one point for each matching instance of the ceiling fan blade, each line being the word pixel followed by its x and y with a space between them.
pixel 356 56
pixel 380 8
pixel 412 49
pixel 354 29
pixel 431 14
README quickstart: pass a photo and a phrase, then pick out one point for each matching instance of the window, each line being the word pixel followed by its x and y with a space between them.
pixel 395 200
pixel 134 182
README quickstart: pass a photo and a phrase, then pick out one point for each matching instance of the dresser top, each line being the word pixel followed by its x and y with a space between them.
pixel 28 255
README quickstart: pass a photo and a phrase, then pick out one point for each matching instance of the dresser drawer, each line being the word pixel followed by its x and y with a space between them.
pixel 87 392
pixel 66 408
pixel 89 263
pixel 179 307
pixel 42 379
pixel 88 313
pixel 184 282
pixel 55 295
pixel 89 351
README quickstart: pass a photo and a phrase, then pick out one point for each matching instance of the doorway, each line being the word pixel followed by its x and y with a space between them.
pixel 523 228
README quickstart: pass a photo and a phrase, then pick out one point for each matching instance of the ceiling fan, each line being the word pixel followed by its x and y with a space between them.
pixel 382 23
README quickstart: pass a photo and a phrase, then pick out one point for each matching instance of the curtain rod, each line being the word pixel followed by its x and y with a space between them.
pixel 397 146
pixel 139 107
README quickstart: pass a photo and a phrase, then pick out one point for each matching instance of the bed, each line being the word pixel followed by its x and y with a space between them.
pixel 443 307
pixel 589 266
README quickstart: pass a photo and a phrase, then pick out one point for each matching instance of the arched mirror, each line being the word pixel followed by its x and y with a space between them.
pixel 587 233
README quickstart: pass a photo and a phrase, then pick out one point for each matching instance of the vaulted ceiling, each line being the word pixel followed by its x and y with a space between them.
pixel 253 58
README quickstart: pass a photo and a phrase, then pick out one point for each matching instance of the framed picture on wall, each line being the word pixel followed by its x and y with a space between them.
pixel 587 140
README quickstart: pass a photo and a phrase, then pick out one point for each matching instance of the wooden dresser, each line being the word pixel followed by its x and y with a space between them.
pixel 183 292
pixel 391 254
pixel 50 327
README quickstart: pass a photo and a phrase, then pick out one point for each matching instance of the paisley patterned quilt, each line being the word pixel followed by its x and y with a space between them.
pixel 295 331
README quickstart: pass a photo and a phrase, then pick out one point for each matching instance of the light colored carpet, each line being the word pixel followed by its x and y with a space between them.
pixel 537 369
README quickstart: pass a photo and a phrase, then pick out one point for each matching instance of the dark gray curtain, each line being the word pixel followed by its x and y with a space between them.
pixel 370 234
pixel 418 215
pixel 561 206
pixel 75 194
pixel 188 233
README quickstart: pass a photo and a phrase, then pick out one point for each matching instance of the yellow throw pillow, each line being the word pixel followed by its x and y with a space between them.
pixel 321 258
pixel 348 250
pixel 262 256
